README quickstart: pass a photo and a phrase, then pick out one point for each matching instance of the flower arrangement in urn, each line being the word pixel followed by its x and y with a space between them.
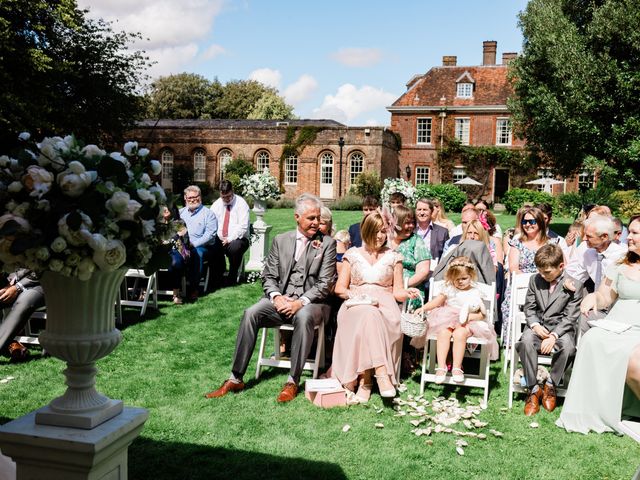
pixel 73 208
pixel 260 186
pixel 397 185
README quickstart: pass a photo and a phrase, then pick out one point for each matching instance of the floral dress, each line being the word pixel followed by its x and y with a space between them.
pixel 414 251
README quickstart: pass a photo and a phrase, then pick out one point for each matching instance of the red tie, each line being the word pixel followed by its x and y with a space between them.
pixel 225 223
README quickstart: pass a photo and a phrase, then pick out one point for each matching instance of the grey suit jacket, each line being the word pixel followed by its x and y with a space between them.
pixel 557 312
pixel 477 252
pixel 320 267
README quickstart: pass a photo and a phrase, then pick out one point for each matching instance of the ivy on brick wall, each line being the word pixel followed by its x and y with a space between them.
pixel 295 144
pixel 478 163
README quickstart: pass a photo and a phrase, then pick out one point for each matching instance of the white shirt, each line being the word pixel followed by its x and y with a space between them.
pixel 238 217
pixel 584 263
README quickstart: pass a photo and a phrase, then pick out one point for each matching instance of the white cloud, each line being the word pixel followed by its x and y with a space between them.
pixel 358 57
pixel 170 29
pixel 349 102
pixel 300 90
pixel 213 51
pixel 267 76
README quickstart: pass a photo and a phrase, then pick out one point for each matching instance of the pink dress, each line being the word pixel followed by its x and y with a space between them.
pixel 368 336
pixel 448 316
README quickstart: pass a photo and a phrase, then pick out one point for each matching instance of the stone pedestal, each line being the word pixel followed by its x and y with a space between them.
pixel 60 453
pixel 258 249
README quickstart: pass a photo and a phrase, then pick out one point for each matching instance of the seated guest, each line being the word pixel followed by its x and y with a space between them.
pixel 607 360
pixel 326 222
pixel 22 294
pixel 467 215
pixel 475 230
pixel 202 226
pixel 395 199
pixel 573 238
pixel 440 216
pixel 369 339
pixel 434 236
pixel 482 206
pixel 369 205
pixel 600 254
pixel 478 254
pixel 343 243
pixel 458 229
pixel 183 259
pixel 232 216
pixel 547 211
pixel 298 277
pixel 490 224
pixel 620 233
pixel 551 312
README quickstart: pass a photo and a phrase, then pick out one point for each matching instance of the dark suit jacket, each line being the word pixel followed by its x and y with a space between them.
pixel 558 312
pixel 320 266
pixel 354 233
pixel 439 236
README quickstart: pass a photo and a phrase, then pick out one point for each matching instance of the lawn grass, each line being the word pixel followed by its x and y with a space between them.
pixel 168 360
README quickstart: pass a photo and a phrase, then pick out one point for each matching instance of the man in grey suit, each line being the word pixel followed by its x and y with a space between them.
pixel 298 277
pixel 22 295
pixel 551 311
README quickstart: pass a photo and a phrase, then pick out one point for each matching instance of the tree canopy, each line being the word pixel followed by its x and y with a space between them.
pixel 61 72
pixel 188 95
pixel 577 84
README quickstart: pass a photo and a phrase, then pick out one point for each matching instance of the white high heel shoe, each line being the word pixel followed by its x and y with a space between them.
pixel 386 392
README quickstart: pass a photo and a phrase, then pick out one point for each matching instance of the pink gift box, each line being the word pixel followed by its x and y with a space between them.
pixel 328 399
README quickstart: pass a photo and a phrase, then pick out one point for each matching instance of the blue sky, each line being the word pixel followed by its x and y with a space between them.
pixel 344 60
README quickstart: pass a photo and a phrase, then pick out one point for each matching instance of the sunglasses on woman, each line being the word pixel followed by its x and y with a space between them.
pixel 530 221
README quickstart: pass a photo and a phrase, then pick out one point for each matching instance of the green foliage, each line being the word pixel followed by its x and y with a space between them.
pixel 282 203
pixel 348 202
pixel 234 178
pixel 367 183
pixel 517 197
pixel 451 197
pixel 239 166
pixel 184 95
pixel 628 202
pixel 271 107
pixel 61 72
pixel 576 84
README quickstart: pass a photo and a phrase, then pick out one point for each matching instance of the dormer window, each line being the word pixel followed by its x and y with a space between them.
pixel 465 90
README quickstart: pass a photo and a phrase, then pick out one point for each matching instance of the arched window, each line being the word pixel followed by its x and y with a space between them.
pixel 291 170
pixel 225 156
pixel 262 161
pixel 199 166
pixel 166 159
pixel 356 166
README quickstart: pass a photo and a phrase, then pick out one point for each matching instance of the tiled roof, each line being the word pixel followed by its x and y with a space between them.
pixel 491 87
pixel 225 123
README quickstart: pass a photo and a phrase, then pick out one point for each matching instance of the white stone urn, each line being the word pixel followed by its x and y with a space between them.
pixel 80 329
pixel 259 208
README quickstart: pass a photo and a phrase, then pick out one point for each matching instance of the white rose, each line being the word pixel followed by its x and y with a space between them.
pixel 4 161
pixel 22 223
pixel 24 136
pixel 97 241
pixel 143 152
pixel 43 205
pixel 49 153
pixel 73 184
pixel 42 254
pixel 74 237
pixel 146 196
pixel 148 227
pixel 130 148
pixel 38 180
pixel 66 271
pixel 130 212
pixel 86 267
pixel 15 187
pixel 76 167
pixel 56 265
pixel 158 191
pixel 145 179
pixel 156 167
pixel 22 209
pixel 118 202
pixel 69 141
pixel 73 259
pixel 58 245
pixel 92 151
pixel 118 156
pixel 112 258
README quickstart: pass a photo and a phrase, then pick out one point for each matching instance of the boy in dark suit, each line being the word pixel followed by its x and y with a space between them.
pixel 552 313
pixel 369 205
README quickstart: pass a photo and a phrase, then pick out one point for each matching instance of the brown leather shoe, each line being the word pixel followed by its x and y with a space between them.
pixel 532 405
pixel 18 352
pixel 288 393
pixel 226 387
pixel 549 397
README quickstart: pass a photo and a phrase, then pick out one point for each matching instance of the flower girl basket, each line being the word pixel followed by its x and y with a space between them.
pixel 412 324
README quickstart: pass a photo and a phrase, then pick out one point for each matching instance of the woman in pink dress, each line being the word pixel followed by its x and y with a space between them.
pixel 369 340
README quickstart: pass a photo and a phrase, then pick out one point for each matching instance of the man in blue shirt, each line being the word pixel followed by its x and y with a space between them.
pixel 202 227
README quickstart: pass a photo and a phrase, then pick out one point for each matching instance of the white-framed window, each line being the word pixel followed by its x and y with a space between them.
pixel 166 159
pixel 225 156
pixel 291 170
pixel 199 166
pixel 262 161
pixel 422 175
pixel 503 131
pixel 423 131
pixel 463 126
pixel 326 168
pixel 464 90
pixel 356 166
pixel 459 173
pixel 586 180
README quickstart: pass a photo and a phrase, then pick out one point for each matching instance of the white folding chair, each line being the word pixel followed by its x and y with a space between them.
pixel 481 379
pixel 169 292
pixel 519 286
pixel 279 361
pixel 150 292
pixel 29 336
pixel 518 322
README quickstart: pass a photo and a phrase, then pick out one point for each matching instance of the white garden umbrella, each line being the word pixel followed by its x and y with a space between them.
pixel 467 181
pixel 546 181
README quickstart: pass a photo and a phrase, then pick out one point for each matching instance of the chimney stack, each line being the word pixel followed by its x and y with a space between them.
pixel 489 48
pixel 449 61
pixel 508 57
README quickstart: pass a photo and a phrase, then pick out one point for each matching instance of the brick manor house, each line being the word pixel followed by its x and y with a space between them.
pixel 468 103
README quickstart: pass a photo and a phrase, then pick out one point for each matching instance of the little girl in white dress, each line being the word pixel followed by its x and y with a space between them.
pixel 458 311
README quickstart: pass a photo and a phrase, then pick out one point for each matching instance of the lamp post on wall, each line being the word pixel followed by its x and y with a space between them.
pixel 341 145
